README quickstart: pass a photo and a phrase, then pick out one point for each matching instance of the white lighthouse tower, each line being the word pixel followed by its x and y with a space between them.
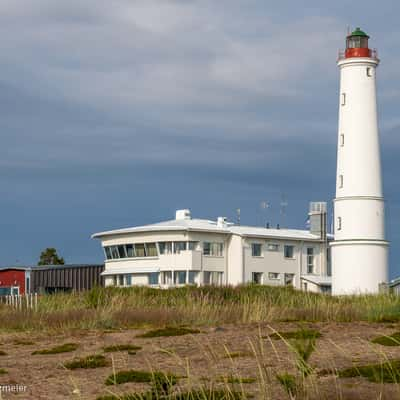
pixel 359 251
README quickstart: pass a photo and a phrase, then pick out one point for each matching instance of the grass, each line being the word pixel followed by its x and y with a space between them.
pixel 23 342
pixel 289 383
pixel 239 354
pixel 392 340
pixel 137 307
pixel 234 379
pixel 387 372
pixel 3 371
pixel 122 347
pixel 89 362
pixel 301 334
pixel 169 331
pixel 140 376
pixel 64 348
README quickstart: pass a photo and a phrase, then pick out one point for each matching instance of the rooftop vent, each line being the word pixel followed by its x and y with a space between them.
pixel 221 222
pixel 183 214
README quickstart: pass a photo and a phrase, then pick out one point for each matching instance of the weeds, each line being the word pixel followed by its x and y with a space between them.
pixel 122 347
pixel 3 371
pixel 289 383
pixel 392 340
pixel 157 378
pixel 387 372
pixel 169 331
pixel 89 362
pixel 64 348
pixel 234 379
pixel 22 342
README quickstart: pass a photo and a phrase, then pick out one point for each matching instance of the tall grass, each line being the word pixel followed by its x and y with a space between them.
pixel 113 308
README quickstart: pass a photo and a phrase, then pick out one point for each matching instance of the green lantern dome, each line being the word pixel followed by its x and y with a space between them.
pixel 359 32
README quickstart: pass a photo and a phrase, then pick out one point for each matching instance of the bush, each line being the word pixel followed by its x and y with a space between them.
pixel 169 331
pixel 64 348
pixel 93 361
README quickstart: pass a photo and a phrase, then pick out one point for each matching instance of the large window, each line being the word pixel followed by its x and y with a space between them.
pixel 288 251
pixel 213 249
pixel 179 246
pixel 193 277
pixel 121 251
pixel 256 249
pixel 310 260
pixel 273 276
pixel 107 252
pixel 180 277
pixel 130 251
pixel 128 279
pixel 165 247
pixel 140 250
pixel 151 250
pixel 153 278
pixel 166 277
pixel 212 278
pixel 114 252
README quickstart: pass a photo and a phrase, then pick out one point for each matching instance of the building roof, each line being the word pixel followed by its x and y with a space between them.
pixel 48 267
pixel 204 225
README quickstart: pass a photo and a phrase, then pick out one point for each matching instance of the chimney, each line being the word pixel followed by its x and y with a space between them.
pixel 317 218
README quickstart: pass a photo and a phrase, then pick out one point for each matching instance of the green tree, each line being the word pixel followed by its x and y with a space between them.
pixel 49 256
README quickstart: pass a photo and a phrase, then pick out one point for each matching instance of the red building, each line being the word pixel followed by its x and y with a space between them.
pixel 13 280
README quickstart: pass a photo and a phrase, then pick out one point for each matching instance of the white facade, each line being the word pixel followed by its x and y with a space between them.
pixel 359 251
pixel 194 251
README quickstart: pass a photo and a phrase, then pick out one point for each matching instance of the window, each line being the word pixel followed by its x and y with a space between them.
pixel 369 71
pixel 166 277
pixel 107 252
pixel 180 277
pixel 213 249
pixel 257 278
pixel 289 279
pixel 340 181
pixel 179 246
pixel 128 279
pixel 153 278
pixel 165 247
pixel 310 260
pixel 212 278
pixel 114 252
pixel 139 250
pixel 192 245
pixel 288 251
pixel 273 275
pixel 114 280
pixel 339 223
pixel 151 250
pixel 120 280
pixel 343 99
pixel 121 252
pixel 256 249
pixel 272 247
pixel 193 277
pixel 130 250
pixel 342 140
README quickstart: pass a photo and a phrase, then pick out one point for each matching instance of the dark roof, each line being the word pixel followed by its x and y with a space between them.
pixel 47 267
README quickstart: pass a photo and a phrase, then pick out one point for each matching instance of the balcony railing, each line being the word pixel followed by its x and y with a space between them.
pixel 373 53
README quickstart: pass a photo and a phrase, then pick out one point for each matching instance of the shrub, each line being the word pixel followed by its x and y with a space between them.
pixel 156 378
pixel 93 361
pixel 64 348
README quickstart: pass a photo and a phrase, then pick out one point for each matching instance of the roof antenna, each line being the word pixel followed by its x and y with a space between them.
pixel 238 215
pixel 284 205
pixel 263 207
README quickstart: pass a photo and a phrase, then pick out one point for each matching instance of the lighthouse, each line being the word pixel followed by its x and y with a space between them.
pixel 359 250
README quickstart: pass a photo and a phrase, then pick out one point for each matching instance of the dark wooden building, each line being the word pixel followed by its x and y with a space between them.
pixel 50 278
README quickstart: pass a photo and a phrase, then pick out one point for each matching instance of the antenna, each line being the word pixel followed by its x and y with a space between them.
pixel 284 204
pixel 238 215
pixel 264 205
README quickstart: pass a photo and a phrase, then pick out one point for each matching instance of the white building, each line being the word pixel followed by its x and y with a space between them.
pixel 359 251
pixel 198 251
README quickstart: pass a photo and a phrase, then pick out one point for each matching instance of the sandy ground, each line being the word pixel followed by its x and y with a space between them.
pixel 201 358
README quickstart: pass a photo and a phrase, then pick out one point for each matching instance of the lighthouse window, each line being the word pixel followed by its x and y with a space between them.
pixel 339 223
pixel 343 100
pixel 369 71
pixel 340 181
pixel 342 140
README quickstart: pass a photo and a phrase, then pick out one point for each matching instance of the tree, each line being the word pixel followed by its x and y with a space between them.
pixel 50 257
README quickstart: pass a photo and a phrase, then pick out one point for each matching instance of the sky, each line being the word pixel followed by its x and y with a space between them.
pixel 115 114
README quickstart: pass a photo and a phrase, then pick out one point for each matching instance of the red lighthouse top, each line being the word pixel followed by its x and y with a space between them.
pixel 357 45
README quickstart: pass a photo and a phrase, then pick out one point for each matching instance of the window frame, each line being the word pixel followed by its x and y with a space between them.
pixel 287 246
pixel 310 260
pixel 259 247
pixel 274 276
